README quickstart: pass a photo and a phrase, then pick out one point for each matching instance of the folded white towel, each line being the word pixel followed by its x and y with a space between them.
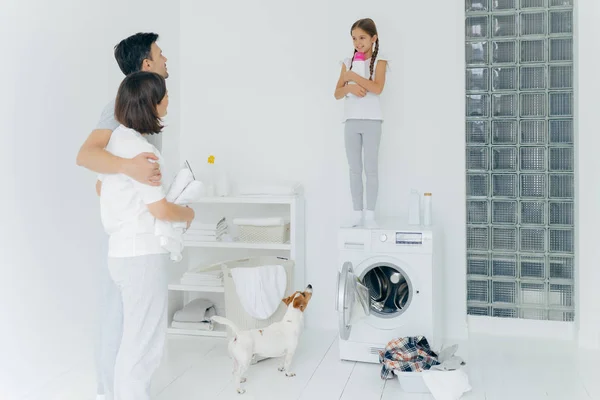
pixel 196 234
pixel 198 276
pixel 182 179
pixel 184 190
pixel 200 238
pixel 220 223
pixel 273 221
pixel 192 193
pixel 204 233
pixel 207 232
pixel 260 289
pixel 197 310
pixel 447 385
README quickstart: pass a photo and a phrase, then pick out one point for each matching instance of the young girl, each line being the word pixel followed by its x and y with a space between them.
pixel 136 261
pixel 362 117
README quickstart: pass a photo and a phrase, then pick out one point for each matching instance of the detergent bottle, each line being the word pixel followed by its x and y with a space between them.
pixel 359 66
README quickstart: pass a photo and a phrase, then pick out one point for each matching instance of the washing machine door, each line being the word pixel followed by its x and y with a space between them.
pixel 353 301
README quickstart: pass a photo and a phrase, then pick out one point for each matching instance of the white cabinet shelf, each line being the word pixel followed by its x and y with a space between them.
pixel 217 332
pixel 249 200
pixel 196 288
pixel 239 245
pixel 180 294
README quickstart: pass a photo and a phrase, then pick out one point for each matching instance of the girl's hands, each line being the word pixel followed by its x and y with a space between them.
pixel 350 76
pixel 357 90
pixel 354 88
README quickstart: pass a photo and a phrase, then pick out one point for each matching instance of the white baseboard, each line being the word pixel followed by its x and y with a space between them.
pixel 509 327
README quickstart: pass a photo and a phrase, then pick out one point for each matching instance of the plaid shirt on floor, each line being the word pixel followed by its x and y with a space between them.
pixel 406 354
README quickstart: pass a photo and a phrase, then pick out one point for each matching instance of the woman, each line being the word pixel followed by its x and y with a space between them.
pixel 136 261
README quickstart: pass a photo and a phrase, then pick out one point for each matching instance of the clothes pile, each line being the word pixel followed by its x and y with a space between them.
pixel 442 372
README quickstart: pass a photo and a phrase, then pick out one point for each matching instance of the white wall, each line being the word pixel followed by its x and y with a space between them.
pixel 257 76
pixel 258 94
pixel 587 168
pixel 60 72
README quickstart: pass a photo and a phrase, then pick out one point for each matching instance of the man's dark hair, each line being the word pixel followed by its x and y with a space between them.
pixel 138 96
pixel 131 52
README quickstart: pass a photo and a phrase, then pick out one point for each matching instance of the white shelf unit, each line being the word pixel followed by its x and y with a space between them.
pixel 240 245
pixel 180 294
pixel 217 332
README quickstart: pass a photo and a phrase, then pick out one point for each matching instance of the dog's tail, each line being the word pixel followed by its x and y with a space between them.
pixel 225 321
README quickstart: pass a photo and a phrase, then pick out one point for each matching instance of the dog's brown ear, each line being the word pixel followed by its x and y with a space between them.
pixel 288 299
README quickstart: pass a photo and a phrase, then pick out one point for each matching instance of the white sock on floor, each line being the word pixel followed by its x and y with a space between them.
pixel 370 219
pixel 357 218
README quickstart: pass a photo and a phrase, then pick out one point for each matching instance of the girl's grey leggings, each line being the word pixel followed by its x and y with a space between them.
pixel 362 134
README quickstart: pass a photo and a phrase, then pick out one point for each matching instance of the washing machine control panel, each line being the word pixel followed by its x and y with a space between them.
pixel 409 238
pixel 400 240
pixel 414 238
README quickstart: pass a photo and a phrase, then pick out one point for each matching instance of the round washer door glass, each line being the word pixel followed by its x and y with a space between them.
pixel 390 289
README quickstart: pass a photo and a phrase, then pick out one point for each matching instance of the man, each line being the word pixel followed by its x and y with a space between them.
pixel 136 53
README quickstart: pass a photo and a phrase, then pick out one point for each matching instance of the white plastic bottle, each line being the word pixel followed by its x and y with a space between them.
pixel 414 208
pixel 427 209
pixel 222 187
pixel 359 66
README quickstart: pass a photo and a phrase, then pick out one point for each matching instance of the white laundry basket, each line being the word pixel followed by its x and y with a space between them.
pixel 233 307
pixel 264 234
pixel 412 382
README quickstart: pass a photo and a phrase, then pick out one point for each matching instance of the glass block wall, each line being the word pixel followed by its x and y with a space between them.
pixel 520 158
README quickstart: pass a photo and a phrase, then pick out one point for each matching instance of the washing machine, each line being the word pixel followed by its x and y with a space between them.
pixel 386 288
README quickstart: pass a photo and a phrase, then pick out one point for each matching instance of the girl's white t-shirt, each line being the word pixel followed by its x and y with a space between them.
pixel 368 107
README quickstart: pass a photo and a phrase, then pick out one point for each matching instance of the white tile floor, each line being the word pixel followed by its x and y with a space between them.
pixel 499 369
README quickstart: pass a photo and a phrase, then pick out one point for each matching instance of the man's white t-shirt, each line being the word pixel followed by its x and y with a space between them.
pixel 123 201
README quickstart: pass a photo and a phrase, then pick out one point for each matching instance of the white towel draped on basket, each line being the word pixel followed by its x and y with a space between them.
pixel 260 289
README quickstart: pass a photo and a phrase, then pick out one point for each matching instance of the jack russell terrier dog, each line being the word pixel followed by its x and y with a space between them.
pixel 279 339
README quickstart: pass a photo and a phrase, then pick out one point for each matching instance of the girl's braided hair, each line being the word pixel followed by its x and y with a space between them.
pixel 367 25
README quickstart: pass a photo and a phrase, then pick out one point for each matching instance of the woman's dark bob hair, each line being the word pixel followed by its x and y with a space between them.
pixel 138 96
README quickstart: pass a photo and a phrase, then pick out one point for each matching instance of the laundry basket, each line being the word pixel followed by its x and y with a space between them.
pixel 233 307
pixel 264 234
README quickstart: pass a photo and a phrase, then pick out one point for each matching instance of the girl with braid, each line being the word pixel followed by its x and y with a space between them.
pixel 363 118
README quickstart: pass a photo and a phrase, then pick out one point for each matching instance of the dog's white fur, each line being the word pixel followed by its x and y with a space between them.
pixel 279 339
